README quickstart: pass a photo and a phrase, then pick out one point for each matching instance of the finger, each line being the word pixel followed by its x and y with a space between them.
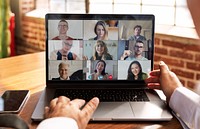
pixel 152 79
pixel 46 112
pixel 78 102
pixel 63 99
pixel 163 68
pixel 53 103
pixel 89 108
pixel 155 73
pixel 154 86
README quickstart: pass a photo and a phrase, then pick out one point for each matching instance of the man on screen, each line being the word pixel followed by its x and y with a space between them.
pixel 63 28
pixel 137 34
pixel 63 70
pixel 137 55
pixel 64 53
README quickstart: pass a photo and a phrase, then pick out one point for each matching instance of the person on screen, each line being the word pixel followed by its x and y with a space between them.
pixel 62 29
pixel 138 50
pixel 64 53
pixel 99 72
pixel 63 70
pixel 101 31
pixel 135 72
pixel 77 75
pixel 112 23
pixel 137 34
pixel 101 51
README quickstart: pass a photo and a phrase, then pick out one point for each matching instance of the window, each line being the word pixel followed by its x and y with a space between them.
pixel 69 6
pixel 168 13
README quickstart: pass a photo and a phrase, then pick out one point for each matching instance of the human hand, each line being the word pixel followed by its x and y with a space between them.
pixel 85 58
pixel 163 79
pixel 125 54
pixel 64 57
pixel 63 107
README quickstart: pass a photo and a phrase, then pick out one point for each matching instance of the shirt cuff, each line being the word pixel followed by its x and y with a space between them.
pixel 184 103
pixel 58 123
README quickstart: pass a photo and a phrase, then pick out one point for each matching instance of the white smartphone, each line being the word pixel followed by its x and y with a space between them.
pixel 12 101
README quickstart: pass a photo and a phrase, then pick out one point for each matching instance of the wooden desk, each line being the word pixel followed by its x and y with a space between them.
pixel 28 72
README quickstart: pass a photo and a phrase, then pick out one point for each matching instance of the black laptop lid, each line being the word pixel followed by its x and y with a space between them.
pixel 98 50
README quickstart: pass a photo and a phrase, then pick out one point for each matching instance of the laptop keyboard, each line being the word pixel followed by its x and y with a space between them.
pixel 105 95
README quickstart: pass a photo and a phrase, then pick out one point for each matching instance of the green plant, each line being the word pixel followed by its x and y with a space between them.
pixel 4 28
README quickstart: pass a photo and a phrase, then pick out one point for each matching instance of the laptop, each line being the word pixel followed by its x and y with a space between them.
pixel 116 77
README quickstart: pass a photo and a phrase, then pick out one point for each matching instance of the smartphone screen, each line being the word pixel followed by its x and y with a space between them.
pixel 13 100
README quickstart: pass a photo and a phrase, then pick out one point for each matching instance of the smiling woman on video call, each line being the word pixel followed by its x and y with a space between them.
pixel 101 51
pixel 135 72
pixel 99 72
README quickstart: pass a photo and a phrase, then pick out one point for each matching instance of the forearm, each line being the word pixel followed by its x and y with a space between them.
pixel 187 105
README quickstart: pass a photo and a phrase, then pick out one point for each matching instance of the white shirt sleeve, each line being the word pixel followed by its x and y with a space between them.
pixel 58 123
pixel 186 104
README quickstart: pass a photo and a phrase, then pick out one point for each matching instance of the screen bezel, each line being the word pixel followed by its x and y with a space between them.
pixel 101 83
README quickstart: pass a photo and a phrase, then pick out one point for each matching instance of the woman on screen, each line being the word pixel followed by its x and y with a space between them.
pixel 101 51
pixel 99 72
pixel 101 31
pixel 135 72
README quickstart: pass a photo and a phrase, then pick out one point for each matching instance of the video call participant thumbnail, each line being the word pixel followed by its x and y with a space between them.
pixel 62 30
pixel 135 72
pixel 65 52
pixel 136 53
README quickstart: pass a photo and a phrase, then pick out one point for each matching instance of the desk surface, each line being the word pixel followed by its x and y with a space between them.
pixel 28 72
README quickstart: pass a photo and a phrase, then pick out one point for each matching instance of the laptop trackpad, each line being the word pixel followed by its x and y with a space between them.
pixel 152 110
pixel 113 111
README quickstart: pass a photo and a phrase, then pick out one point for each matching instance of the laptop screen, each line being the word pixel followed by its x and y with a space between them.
pixel 91 48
